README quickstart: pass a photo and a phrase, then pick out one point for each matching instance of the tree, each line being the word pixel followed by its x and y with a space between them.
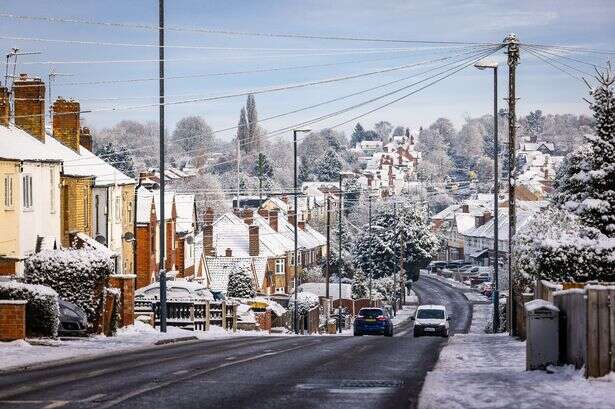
pixel 468 146
pixel 358 135
pixel 240 283
pixel 360 286
pixel 445 128
pixel 243 132
pixel 263 166
pixel 118 157
pixel 328 167
pixel 435 166
pixel 383 129
pixel 586 184
pixel 253 130
pixel 399 131
pixel 484 169
pixel 192 132
pixel 352 195
pixel 535 123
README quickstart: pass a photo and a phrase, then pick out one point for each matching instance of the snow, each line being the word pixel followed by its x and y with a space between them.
pixel 18 144
pixel 488 371
pixel 538 304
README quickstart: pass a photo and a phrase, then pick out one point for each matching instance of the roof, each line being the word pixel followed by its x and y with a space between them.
pixel 144 205
pixel 320 289
pixel 17 144
pixel 218 270
pixel 93 244
pixel 431 307
pixel 487 229
pixel 185 211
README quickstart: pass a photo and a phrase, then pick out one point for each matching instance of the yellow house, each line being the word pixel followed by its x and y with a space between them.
pixel 9 216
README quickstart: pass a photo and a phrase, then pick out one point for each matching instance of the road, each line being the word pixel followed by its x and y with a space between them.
pixel 249 372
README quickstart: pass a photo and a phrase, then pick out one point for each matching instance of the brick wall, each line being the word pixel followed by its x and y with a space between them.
pixel 179 257
pixel 126 285
pixel 263 319
pixel 66 125
pixel 146 263
pixel 169 243
pixel 12 320
pixel 5 107
pixel 29 94
pixel 7 267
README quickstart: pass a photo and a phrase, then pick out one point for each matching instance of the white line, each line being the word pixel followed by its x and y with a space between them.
pixel 56 404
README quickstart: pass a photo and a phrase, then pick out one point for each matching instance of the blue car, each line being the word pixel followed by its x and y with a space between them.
pixel 373 321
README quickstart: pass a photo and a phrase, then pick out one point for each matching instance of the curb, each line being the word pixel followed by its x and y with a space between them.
pixel 175 340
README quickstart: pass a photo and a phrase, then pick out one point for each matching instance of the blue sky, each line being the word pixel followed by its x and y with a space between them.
pixel 575 23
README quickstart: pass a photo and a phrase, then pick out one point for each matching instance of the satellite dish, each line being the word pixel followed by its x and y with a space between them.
pixel 101 239
pixel 129 237
pixel 189 239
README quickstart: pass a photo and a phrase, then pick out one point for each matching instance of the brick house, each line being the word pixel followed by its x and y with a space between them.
pixel 185 229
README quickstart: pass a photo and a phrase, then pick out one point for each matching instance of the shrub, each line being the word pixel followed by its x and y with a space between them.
pixel 78 276
pixel 42 311
pixel 240 283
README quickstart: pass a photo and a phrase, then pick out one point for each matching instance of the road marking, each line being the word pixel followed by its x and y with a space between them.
pixel 93 397
pixel 377 390
pixel 230 358
pixel 160 385
pixel 56 404
pixel 180 372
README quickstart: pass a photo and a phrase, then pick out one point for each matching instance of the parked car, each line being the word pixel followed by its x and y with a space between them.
pixel 73 320
pixel 177 290
pixel 431 320
pixel 373 321
pixel 486 288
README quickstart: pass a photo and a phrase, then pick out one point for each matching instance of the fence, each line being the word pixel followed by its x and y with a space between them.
pixel 195 315
pixel 310 322
pixel 587 327
pixel 354 306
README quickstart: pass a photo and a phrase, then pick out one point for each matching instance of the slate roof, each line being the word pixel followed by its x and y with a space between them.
pixel 184 207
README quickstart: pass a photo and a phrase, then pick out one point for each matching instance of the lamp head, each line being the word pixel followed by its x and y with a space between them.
pixel 481 65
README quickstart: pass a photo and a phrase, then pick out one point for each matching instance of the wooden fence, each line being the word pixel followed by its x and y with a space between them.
pixel 587 328
pixel 195 315
pixel 310 322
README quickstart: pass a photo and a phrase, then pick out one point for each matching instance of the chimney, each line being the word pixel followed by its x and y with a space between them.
pixel 29 96
pixel 465 208
pixel 301 224
pixel 487 216
pixel 273 219
pixel 208 240
pixel 208 218
pixel 228 252
pixel 248 216
pixel 478 221
pixel 66 125
pixel 5 106
pixel 291 217
pixel 263 212
pixel 254 242
pixel 285 199
pixel 85 138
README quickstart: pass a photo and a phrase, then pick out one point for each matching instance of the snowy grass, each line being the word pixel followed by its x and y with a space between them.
pixel 488 371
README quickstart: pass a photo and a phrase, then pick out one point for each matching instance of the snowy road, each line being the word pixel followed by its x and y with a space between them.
pixel 249 372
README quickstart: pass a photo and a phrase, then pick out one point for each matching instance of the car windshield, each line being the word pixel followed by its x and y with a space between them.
pixel 371 313
pixel 430 314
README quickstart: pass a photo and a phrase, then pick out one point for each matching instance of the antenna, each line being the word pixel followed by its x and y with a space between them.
pixel 52 76
pixel 14 53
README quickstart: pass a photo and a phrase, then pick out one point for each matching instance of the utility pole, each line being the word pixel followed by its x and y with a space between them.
pixel 339 269
pixel 238 164
pixel 163 274
pixel 328 270
pixel 512 44
pixel 395 273
pixel 371 273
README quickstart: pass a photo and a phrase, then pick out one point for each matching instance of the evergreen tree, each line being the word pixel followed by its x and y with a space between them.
pixel 328 167
pixel 360 285
pixel 398 131
pixel 383 129
pixel 242 131
pixel 358 135
pixel 240 283
pixel 586 185
pixel 118 156
pixel 253 131
pixel 263 167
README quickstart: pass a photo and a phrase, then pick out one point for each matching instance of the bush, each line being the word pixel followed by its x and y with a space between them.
pixel 78 276
pixel 42 311
pixel 305 302
pixel 240 283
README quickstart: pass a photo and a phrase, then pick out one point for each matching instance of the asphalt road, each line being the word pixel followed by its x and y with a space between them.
pixel 249 372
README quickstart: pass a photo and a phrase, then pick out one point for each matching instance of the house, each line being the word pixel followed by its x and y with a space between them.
pixel 147 235
pixel 185 229
pixel 30 193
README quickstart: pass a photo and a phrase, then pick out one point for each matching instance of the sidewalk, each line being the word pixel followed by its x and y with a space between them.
pixel 479 370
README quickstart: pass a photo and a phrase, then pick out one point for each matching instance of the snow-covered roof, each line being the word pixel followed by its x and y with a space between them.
pixel 17 144
pixel 94 245
pixel 169 200
pixel 106 174
pixel 464 222
pixel 218 270
pixel 540 304
pixel 320 289
pixel 487 229
pixel 184 208
pixel 144 205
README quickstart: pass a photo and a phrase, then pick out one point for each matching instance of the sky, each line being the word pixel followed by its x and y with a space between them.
pixel 586 24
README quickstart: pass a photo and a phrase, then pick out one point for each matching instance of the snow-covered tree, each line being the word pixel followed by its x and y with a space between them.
pixel 191 133
pixel 399 131
pixel 243 132
pixel 385 288
pixel 240 283
pixel 586 183
pixel 358 135
pixel 435 166
pixel 360 285
pixel 383 129
pixel 118 156
pixel 327 168
pixel 253 128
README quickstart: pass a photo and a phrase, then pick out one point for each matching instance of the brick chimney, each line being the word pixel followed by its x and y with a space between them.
pixel 465 208
pixel 208 240
pixel 248 216
pixel 5 106
pixel 487 216
pixel 208 218
pixel 254 242
pixel 228 252
pixel 85 139
pixel 291 217
pixel 273 219
pixel 29 96
pixel 66 125
pixel 301 224
pixel 264 213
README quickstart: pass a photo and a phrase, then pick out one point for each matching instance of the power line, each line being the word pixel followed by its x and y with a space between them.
pixel 228 32
pixel 545 50
pixel 552 64
pixel 553 57
pixel 571 48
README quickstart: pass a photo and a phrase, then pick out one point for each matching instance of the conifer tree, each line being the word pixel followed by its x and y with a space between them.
pixel 242 131
pixel 240 283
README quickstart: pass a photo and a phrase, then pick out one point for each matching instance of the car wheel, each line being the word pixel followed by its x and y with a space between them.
pixel 357 334
pixel 389 333
pixel 445 334
pixel 416 334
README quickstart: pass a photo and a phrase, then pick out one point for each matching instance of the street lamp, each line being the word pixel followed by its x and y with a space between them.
pixel 339 269
pixel 295 132
pixel 481 65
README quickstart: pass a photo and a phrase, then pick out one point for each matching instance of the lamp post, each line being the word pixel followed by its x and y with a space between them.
pixel 295 279
pixel 339 269
pixel 481 65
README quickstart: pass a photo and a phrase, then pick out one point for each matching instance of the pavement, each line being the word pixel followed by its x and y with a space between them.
pixel 248 372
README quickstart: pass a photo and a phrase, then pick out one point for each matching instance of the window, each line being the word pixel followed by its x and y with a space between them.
pixel 292 259
pixel 52 191
pixel 27 192
pixel 86 210
pixel 8 191
pixel 279 266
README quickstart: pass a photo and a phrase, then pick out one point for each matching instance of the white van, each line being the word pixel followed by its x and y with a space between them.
pixel 431 320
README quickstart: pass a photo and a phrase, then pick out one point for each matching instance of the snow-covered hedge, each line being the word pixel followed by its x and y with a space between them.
pixel 556 246
pixel 305 302
pixel 78 276
pixel 240 283
pixel 42 311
